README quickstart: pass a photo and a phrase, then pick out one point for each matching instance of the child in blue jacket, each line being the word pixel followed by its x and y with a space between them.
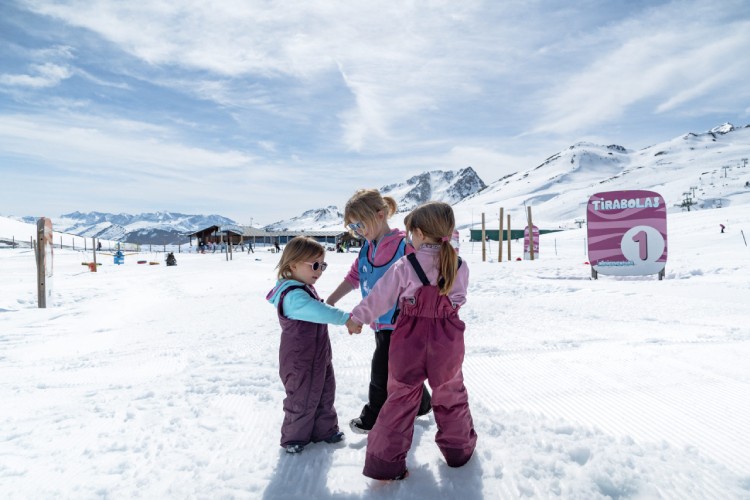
pixel 305 365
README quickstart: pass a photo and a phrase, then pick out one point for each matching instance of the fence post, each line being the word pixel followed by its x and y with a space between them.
pixel 509 237
pixel 93 247
pixel 500 238
pixel 484 248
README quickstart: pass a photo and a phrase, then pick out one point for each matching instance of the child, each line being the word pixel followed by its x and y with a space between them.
pixel 305 364
pixel 366 214
pixel 427 343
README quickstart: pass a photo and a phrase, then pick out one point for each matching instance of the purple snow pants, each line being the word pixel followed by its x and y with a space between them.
pixel 306 371
pixel 427 343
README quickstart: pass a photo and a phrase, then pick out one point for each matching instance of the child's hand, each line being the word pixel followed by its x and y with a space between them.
pixel 353 326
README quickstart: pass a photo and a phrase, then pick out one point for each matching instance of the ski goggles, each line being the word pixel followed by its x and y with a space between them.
pixel 317 265
pixel 356 226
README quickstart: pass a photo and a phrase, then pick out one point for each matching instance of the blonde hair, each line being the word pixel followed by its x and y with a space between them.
pixel 436 221
pixel 364 206
pixel 299 249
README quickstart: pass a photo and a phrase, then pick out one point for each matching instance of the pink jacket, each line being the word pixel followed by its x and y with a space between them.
pixel 402 281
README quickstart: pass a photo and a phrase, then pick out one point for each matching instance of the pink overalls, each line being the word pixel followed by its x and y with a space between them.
pixel 427 344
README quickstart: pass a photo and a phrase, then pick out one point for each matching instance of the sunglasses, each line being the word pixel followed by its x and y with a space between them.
pixel 317 265
pixel 356 226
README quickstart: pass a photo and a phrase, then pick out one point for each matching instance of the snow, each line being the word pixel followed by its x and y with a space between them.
pixel 161 382
pixel 713 168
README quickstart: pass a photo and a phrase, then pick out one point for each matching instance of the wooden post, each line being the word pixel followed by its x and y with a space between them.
pixel 484 248
pixel 531 234
pixel 93 247
pixel 500 238
pixel 509 233
pixel 41 260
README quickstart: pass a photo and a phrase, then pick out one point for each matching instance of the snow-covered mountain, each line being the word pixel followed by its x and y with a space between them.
pixel 156 228
pixel 710 169
pixel 319 218
pixel 448 186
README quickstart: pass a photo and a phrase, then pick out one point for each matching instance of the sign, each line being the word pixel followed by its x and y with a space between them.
pixel 627 233
pixel 526 253
pixel 44 261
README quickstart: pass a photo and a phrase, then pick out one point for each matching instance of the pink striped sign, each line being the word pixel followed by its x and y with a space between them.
pixel 627 233
pixel 526 253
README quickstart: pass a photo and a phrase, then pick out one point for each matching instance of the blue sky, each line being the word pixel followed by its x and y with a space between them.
pixel 261 110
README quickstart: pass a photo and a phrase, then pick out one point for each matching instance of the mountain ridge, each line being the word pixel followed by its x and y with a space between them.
pixel 712 166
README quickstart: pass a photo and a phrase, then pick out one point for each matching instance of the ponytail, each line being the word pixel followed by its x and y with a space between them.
pixel 448 266
pixel 436 221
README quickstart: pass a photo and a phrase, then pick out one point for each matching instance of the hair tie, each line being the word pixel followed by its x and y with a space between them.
pixel 445 239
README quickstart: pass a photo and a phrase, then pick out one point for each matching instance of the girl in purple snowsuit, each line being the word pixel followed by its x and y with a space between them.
pixel 427 344
pixel 305 364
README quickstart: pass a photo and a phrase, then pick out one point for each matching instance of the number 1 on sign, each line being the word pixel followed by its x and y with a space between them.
pixel 641 239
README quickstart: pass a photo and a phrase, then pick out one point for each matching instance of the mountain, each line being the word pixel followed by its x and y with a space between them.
pixel 318 218
pixel 448 186
pixel 148 228
pixel 709 169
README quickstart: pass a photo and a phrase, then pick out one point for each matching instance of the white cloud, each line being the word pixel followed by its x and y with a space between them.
pixel 89 144
pixel 42 76
pixel 673 59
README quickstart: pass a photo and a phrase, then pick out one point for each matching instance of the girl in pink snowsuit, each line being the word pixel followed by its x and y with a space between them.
pixel 427 344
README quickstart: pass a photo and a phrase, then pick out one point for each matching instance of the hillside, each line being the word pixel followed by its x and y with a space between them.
pixel 712 167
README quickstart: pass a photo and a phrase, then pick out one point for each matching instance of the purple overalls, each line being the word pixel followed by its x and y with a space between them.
pixel 306 371
pixel 427 343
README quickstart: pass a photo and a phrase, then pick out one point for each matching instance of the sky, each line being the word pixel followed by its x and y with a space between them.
pixel 156 382
pixel 258 111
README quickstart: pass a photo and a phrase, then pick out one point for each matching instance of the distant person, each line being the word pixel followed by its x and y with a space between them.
pixel 98 245
pixel 250 247
pixel 722 227
pixel 276 246
pixel 427 344
pixel 305 360
pixel 171 260
pixel 366 215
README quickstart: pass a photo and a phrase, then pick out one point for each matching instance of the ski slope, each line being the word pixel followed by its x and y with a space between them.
pixel 161 382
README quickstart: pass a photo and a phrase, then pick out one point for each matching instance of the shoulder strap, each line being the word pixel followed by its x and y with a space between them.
pixel 283 294
pixel 420 272
pixel 418 269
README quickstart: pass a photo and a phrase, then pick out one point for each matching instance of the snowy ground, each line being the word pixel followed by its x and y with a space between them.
pixel 155 382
